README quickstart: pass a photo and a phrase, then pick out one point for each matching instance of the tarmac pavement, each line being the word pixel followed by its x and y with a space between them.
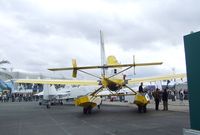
pixel 177 105
pixel 28 118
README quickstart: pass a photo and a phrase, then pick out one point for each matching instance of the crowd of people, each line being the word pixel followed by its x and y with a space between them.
pixel 164 95
pixel 17 97
pixel 158 95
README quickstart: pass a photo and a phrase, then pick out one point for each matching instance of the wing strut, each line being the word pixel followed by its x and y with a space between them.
pixel 130 89
pixel 96 91
pixel 89 74
pixel 120 72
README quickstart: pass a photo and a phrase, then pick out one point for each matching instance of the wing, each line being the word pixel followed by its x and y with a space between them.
pixel 106 66
pixel 76 68
pixel 156 78
pixel 66 82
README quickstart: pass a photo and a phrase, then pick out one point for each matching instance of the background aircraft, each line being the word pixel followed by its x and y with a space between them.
pixel 52 96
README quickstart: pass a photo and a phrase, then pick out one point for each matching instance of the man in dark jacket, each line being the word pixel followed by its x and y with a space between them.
pixel 165 100
pixel 156 96
pixel 141 88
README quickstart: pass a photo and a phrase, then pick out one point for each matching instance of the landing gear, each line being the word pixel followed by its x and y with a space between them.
pixel 142 109
pixel 139 108
pixel 87 110
pixel 145 108
pixel 84 110
pixel 61 103
pixel 48 106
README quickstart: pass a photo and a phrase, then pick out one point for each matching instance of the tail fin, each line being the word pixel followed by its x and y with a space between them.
pixel 111 60
pixel 103 57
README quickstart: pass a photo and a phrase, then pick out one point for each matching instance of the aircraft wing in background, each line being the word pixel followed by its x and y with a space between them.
pixel 66 82
pixel 156 78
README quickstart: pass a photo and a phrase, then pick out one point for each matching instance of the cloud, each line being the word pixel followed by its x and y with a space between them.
pixel 36 35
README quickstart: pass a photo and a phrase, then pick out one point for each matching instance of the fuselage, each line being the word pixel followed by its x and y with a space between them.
pixel 113 84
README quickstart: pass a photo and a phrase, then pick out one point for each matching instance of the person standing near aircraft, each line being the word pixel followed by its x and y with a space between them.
pixel 181 96
pixel 141 92
pixel 156 96
pixel 141 88
pixel 165 100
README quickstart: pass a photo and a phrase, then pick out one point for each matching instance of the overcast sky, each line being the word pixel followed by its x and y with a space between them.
pixel 40 34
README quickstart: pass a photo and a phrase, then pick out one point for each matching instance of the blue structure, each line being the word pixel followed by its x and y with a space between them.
pixel 3 86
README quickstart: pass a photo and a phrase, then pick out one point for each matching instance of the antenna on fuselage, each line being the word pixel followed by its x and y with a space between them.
pixel 103 56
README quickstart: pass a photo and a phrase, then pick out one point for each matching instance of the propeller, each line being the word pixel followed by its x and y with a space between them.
pixel 134 65
pixel 103 57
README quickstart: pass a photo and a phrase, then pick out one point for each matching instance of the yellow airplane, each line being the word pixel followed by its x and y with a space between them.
pixel 91 100
pixel 113 83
